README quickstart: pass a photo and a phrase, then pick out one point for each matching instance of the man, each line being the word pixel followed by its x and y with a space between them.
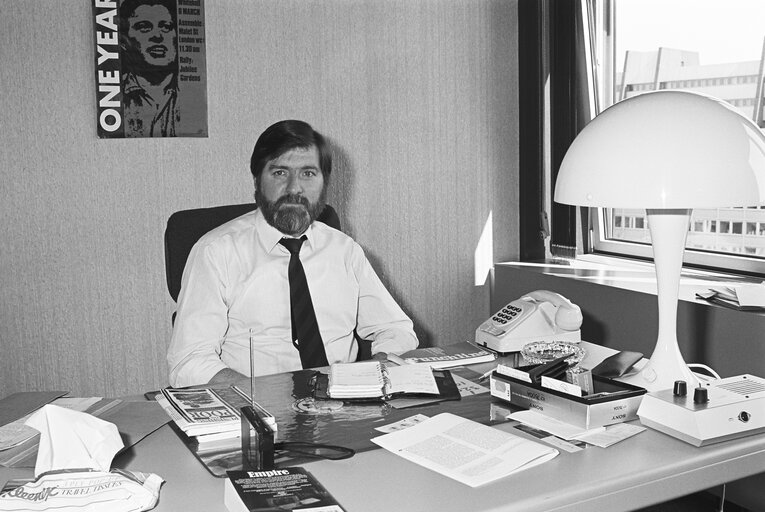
pixel 237 283
pixel 149 56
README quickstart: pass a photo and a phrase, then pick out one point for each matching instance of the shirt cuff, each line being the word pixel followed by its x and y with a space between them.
pixel 394 342
pixel 195 372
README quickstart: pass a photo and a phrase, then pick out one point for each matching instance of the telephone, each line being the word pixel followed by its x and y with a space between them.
pixel 537 316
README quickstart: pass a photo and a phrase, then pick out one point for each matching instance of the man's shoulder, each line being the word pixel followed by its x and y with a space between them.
pixel 330 235
pixel 231 231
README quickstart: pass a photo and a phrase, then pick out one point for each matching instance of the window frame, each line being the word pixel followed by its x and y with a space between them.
pixel 597 242
pixel 695 258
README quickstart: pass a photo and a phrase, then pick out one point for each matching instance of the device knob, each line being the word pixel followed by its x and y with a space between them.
pixel 700 395
pixel 680 389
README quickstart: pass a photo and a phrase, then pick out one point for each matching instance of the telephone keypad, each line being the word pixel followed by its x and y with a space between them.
pixel 506 314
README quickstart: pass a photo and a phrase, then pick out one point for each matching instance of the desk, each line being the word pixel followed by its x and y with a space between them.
pixel 645 469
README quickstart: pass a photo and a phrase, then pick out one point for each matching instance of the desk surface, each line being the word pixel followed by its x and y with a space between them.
pixel 645 469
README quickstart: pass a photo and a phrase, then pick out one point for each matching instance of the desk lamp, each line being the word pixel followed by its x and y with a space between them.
pixel 668 152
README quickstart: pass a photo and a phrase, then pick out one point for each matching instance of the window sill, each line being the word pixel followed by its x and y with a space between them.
pixel 619 304
pixel 633 275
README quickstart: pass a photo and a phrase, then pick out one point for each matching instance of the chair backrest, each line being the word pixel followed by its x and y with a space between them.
pixel 185 227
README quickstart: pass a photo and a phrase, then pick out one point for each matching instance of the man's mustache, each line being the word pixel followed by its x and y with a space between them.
pixel 292 199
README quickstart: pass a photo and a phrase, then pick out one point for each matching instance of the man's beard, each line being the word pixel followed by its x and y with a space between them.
pixel 291 213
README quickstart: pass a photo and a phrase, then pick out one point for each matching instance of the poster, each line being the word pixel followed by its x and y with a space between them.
pixel 151 75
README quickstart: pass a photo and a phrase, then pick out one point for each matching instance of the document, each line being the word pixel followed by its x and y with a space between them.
pixel 412 378
pixel 612 435
pixel 14 411
pixel 465 450
pixel 552 425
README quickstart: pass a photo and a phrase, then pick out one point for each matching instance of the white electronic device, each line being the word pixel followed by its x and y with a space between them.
pixel 714 411
pixel 538 316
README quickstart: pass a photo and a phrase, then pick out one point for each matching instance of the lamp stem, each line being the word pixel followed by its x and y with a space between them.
pixel 669 229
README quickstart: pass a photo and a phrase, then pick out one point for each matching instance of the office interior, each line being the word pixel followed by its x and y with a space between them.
pixel 420 101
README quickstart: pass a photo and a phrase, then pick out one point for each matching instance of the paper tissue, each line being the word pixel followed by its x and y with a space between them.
pixel 73 472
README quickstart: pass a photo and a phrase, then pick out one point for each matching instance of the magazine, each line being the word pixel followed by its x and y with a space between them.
pixel 290 488
pixel 200 412
pixel 449 356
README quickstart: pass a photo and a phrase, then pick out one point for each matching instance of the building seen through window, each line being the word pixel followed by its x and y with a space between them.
pixel 663 45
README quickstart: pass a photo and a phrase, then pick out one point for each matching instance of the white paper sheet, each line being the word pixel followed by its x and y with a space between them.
pixel 556 427
pixel 465 450
pixel 751 295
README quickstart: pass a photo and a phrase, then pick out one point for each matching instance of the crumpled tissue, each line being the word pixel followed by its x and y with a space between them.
pixel 72 439
pixel 73 468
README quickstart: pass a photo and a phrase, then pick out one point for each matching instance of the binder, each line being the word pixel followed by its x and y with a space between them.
pixel 376 382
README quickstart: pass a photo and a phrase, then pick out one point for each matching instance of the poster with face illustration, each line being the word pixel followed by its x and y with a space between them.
pixel 151 76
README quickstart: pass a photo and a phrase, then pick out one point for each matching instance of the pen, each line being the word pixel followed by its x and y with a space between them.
pixel 486 375
pixel 608 393
pixel 396 359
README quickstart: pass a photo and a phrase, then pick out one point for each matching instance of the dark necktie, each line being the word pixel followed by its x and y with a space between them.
pixel 305 329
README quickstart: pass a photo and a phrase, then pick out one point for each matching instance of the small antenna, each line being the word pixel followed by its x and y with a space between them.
pixel 252 372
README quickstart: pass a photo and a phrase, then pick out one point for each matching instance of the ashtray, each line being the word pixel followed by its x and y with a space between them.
pixel 540 352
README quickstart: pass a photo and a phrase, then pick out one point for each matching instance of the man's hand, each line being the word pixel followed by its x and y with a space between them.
pixel 380 356
pixel 228 376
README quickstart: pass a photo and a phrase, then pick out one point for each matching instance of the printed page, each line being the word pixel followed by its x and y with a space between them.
pixel 465 450
pixel 552 425
pixel 412 378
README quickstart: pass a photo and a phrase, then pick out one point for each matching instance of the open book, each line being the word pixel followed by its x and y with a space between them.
pixel 375 380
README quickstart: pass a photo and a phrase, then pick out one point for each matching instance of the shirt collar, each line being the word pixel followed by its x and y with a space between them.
pixel 270 236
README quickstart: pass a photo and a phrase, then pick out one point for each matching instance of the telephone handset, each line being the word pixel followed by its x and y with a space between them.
pixel 537 316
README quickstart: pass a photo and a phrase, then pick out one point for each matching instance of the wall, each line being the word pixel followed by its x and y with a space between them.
pixel 620 311
pixel 419 99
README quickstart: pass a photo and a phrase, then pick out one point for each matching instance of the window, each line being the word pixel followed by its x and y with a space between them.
pixel 698 45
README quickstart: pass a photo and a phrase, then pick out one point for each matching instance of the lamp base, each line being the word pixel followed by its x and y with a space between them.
pixel 657 376
pixel 669 228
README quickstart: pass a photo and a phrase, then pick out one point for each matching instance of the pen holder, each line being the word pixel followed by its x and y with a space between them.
pixel 257 441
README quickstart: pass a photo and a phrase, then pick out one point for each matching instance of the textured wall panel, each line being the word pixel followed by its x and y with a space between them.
pixel 419 99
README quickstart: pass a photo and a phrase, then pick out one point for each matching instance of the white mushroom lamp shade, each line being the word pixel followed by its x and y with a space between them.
pixel 668 152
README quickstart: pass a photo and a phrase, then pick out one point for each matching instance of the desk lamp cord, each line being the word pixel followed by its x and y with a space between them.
pixel 722 499
pixel 312 450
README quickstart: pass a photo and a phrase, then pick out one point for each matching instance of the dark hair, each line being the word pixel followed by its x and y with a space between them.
pixel 128 7
pixel 131 61
pixel 286 135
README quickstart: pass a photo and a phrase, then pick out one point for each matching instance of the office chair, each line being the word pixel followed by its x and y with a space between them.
pixel 185 227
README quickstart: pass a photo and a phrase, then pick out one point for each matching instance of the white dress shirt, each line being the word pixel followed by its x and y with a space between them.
pixel 235 282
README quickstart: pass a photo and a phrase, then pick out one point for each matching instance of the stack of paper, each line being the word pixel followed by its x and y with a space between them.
pixel 465 450
pixel 744 297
